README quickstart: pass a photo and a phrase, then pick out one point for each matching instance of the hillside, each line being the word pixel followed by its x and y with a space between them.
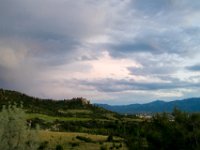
pixel 47 106
pixel 78 121
pixel 187 105
pixel 77 124
pixel 82 107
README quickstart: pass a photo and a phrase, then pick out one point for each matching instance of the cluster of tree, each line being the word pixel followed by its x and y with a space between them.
pixel 15 133
pixel 48 106
pixel 181 131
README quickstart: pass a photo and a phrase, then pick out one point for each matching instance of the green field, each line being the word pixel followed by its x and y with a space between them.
pixel 48 118
pixel 76 111
pixel 52 118
pixel 69 141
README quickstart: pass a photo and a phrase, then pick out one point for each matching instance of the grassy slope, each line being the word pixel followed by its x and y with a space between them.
pixel 53 118
pixel 67 139
pixel 73 108
pixel 94 120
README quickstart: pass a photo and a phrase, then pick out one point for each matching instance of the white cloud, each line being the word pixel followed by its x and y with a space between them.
pixel 11 58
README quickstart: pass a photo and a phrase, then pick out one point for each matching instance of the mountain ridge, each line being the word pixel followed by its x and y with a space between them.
pixel 188 105
pixel 52 107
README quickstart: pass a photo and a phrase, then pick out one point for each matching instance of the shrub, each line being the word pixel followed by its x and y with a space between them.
pixel 110 138
pixel 85 139
pixel 59 147
pixel 14 133
pixel 43 145
pixel 74 144
pixel 103 147
pixel 100 142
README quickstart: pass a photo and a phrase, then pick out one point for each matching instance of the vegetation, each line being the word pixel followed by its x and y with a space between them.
pixel 85 139
pixel 76 107
pixel 180 131
pixel 77 140
pixel 76 124
pixel 14 133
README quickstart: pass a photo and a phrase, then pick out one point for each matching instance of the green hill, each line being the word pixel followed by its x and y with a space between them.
pixel 73 115
pixel 77 124
pixel 71 124
pixel 78 107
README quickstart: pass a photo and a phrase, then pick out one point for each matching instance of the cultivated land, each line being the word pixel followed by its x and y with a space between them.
pixel 73 124
pixel 69 140
pixel 78 125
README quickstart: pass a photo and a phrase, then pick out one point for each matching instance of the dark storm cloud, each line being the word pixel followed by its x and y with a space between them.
pixel 45 18
pixel 180 41
pixel 57 26
pixel 133 47
pixel 194 68
pixel 152 70
pixel 47 40
pixel 38 37
pixel 111 85
pixel 159 66
pixel 52 32
pixel 151 7
pixel 157 27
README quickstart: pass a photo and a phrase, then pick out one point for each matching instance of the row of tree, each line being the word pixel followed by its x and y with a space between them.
pixel 181 131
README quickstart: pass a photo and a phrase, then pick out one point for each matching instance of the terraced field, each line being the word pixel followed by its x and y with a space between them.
pixel 79 141
pixel 53 118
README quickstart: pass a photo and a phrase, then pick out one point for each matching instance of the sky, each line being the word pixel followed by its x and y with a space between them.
pixel 108 51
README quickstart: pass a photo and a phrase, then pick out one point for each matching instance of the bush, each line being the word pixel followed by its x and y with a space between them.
pixel 43 145
pixel 59 147
pixel 110 138
pixel 85 139
pixel 14 133
pixel 100 142
pixel 103 147
pixel 74 144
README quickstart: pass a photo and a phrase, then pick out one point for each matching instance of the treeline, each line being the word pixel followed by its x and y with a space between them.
pixel 179 131
pixel 49 106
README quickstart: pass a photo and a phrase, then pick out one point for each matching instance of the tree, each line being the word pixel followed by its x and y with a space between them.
pixel 14 132
pixel 110 138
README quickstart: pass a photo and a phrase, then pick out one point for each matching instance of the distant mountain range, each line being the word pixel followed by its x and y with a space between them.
pixel 48 106
pixel 187 105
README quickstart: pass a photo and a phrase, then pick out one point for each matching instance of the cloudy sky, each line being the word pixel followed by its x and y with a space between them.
pixel 109 51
